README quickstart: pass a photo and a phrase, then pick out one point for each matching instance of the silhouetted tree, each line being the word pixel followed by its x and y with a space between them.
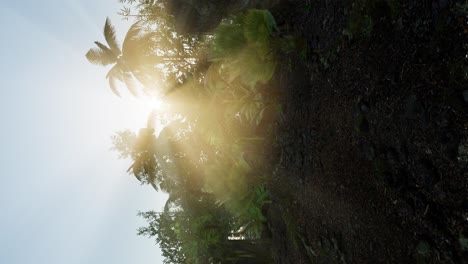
pixel 126 60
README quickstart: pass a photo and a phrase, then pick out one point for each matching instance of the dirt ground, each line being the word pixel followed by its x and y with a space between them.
pixel 370 152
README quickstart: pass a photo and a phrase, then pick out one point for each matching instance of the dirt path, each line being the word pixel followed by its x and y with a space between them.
pixel 369 161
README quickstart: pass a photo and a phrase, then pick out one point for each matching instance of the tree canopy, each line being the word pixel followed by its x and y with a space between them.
pixel 207 157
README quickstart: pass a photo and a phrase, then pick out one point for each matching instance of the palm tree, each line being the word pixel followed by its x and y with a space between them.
pixel 125 60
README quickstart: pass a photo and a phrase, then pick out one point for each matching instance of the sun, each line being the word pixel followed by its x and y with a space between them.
pixel 155 104
pixel 136 110
pixel 145 105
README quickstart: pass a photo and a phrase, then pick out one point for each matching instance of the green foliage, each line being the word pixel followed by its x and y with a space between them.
pixel 208 159
pixel 192 232
pixel 162 227
pixel 249 106
pixel 254 64
pixel 395 8
pixel 242 44
pixel 123 142
pixel 249 211
pixel 258 26
pixel 359 19
pixel 228 39
pixel 141 150
pixel 463 151
pixel 327 57
pixel 226 178
pixel 241 104
pixel 153 56
pixel 461 9
pixel 177 55
pixel 463 241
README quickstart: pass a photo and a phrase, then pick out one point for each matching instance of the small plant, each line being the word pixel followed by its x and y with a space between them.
pixel 463 241
pixel 249 212
pixel 359 21
pixel 461 9
pixel 463 152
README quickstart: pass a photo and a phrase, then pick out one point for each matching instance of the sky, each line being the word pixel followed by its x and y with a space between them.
pixel 65 197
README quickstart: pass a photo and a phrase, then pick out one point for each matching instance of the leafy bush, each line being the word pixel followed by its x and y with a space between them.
pixel 242 44
pixel 249 211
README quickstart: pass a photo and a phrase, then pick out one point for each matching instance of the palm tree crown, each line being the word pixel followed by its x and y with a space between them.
pixel 126 59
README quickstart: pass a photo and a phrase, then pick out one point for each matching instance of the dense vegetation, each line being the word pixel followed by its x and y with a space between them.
pixel 258 171
pixel 207 156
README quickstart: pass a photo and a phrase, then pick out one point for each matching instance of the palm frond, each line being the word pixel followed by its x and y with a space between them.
pixel 256 64
pixel 100 57
pixel 113 85
pixel 155 186
pixel 149 77
pixel 131 38
pixel 110 36
pixel 258 25
pixel 129 81
pixel 135 169
pixel 114 75
pixel 228 39
pixel 102 46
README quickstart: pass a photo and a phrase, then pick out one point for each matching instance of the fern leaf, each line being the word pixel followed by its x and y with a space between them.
pixel 228 39
pixel 258 25
pixel 110 36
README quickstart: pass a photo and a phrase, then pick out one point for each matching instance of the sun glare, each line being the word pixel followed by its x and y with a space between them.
pixel 155 104
pixel 138 109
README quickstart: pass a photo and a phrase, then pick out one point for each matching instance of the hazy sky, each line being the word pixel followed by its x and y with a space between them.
pixel 65 197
